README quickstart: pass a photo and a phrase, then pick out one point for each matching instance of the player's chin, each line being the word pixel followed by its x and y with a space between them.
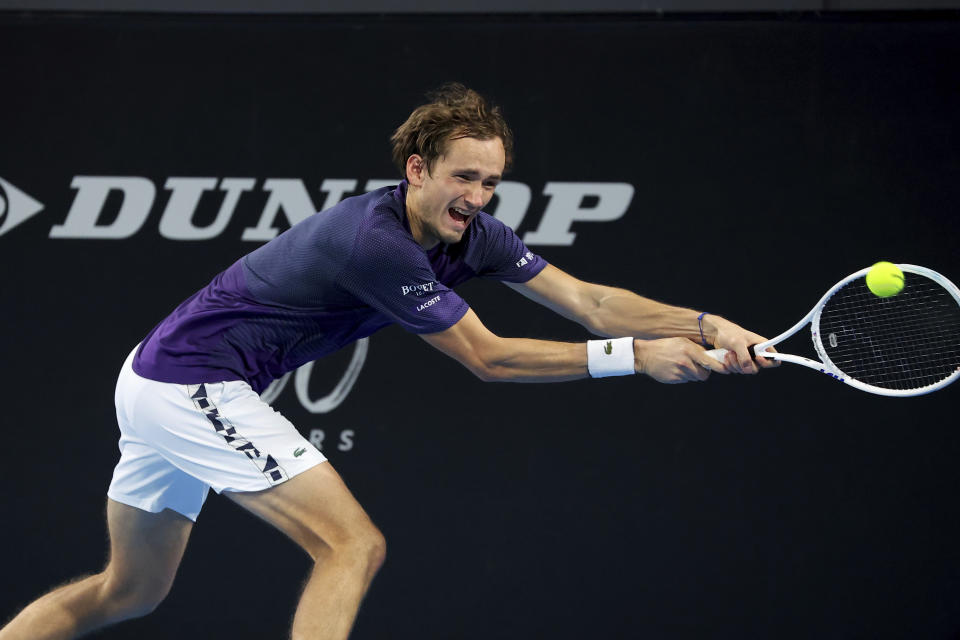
pixel 453 236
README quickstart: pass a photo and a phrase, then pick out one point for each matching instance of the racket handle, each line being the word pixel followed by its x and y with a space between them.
pixel 720 354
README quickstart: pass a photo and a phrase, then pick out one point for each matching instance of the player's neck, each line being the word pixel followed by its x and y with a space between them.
pixel 417 228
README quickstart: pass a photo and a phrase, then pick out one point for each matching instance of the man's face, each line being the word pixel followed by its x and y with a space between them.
pixel 443 202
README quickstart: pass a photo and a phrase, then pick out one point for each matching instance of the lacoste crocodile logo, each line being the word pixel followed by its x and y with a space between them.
pixel 608 348
pixel 299 452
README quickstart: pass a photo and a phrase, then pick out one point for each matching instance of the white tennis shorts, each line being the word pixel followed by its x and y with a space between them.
pixel 179 440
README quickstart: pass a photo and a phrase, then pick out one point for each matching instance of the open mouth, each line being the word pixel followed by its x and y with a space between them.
pixel 458 215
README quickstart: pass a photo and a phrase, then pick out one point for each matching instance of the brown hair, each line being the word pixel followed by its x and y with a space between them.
pixel 454 111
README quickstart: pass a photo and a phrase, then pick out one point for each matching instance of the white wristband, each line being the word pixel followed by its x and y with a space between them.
pixel 611 357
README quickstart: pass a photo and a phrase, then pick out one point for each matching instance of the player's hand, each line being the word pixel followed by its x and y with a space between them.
pixel 674 360
pixel 736 339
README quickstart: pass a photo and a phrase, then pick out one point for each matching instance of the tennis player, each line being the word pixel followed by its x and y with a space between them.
pixel 188 400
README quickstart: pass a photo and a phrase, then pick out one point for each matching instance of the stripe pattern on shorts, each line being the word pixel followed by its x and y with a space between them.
pixel 265 463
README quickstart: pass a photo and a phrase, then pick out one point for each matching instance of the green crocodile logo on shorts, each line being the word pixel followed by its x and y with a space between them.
pixel 299 452
pixel 608 348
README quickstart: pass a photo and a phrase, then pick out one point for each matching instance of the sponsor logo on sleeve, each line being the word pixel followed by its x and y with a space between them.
pixel 429 303
pixel 527 258
pixel 418 289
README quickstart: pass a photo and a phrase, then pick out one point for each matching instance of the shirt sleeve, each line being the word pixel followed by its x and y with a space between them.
pixel 501 255
pixel 392 274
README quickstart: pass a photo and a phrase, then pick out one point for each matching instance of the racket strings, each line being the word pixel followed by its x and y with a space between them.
pixel 890 360
pixel 907 341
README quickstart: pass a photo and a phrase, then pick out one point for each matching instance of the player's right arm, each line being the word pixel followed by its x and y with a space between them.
pixel 495 359
pixel 390 273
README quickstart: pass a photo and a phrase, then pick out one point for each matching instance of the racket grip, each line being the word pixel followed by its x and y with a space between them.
pixel 720 354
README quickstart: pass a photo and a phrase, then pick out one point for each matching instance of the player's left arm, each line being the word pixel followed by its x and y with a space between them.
pixel 615 312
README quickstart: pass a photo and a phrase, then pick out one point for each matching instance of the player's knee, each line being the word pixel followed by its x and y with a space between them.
pixel 144 600
pixel 135 596
pixel 365 546
pixel 376 549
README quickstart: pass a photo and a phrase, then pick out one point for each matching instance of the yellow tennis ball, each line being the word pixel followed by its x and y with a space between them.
pixel 885 279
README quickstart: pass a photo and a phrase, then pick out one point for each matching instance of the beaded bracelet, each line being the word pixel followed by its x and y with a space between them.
pixel 703 340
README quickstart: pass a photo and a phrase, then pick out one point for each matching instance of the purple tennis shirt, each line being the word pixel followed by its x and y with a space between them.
pixel 336 277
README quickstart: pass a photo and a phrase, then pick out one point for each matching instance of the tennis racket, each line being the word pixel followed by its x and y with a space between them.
pixel 904 345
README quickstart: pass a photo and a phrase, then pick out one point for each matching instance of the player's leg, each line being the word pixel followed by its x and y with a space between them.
pixel 317 511
pixel 254 455
pixel 222 435
pixel 150 514
pixel 145 551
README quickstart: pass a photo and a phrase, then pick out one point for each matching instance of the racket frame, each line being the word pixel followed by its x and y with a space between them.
pixel 827 366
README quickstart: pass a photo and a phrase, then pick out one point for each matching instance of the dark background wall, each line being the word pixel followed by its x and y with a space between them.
pixel 480 7
pixel 768 156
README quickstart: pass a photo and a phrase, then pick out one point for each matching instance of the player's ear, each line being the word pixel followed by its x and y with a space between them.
pixel 416 170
